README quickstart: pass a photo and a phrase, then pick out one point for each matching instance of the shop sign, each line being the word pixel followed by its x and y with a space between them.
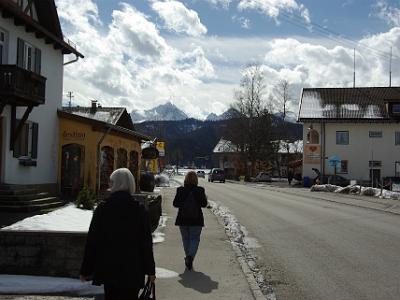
pixel 73 135
pixel 161 148
pixel 312 154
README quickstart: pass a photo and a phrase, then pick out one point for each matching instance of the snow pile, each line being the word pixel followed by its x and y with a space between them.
pixel 355 189
pixel 26 285
pixel 68 218
pixel 73 219
pixel 239 238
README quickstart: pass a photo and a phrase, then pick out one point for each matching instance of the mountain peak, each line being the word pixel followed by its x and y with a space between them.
pixel 163 112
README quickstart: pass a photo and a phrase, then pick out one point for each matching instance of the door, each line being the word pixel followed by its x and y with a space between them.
pixel 375 177
pixel 1 149
pixel 72 169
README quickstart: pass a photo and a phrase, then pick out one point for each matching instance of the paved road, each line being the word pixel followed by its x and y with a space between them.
pixel 314 249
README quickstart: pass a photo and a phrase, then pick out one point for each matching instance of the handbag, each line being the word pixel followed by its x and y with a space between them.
pixel 149 291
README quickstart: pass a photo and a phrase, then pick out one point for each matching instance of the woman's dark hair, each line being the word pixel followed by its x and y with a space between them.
pixel 191 178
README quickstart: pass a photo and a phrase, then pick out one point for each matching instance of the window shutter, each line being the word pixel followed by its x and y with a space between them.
pixel 21 143
pixel 35 137
pixel 20 53
pixel 38 60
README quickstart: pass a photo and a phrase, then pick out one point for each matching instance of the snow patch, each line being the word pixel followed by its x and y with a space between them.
pixel 355 189
pixel 239 237
pixel 25 285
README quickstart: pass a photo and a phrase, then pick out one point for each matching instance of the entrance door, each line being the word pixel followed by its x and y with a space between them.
pixel 1 149
pixel 72 169
pixel 375 177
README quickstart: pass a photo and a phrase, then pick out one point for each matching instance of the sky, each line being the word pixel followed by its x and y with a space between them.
pixel 143 53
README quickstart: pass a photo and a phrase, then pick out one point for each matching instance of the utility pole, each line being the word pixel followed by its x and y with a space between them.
pixel 390 67
pixel 354 68
pixel 70 96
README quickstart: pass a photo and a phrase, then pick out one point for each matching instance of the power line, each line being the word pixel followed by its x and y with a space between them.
pixel 299 21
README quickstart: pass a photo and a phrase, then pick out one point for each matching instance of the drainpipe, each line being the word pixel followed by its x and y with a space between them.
pixel 99 158
pixel 323 148
pixel 72 61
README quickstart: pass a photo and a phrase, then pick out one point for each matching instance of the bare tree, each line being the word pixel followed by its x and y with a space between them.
pixel 282 96
pixel 250 127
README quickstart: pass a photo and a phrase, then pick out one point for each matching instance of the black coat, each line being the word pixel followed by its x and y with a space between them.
pixel 119 246
pixel 181 194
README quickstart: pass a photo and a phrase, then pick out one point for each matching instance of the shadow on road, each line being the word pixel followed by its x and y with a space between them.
pixel 198 281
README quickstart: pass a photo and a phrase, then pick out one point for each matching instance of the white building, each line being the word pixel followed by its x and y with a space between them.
pixel 359 128
pixel 32 49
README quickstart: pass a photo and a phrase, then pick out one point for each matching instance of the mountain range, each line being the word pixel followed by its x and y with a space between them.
pixel 170 112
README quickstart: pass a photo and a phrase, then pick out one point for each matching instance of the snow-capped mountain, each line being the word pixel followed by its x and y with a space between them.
pixel 224 116
pixel 163 112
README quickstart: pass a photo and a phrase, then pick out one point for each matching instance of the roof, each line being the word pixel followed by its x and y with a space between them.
pixel 110 115
pixel 290 147
pixel 107 117
pixel 367 103
pixel 225 146
pixel 48 24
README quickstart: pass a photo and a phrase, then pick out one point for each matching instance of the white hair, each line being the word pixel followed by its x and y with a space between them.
pixel 122 180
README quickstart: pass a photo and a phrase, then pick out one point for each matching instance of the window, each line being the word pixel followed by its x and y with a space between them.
pixel 29 57
pixel 312 136
pixel 375 164
pixel 342 137
pixel 397 138
pixel 344 166
pixel 27 142
pixel 396 108
pixel 375 134
pixel 397 168
pixel 2 46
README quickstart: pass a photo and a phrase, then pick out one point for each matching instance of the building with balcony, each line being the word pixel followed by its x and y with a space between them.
pixel 353 132
pixel 32 49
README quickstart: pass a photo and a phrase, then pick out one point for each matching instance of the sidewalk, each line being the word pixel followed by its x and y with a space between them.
pixel 216 275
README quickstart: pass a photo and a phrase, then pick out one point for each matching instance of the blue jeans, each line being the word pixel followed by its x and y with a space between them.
pixel 190 239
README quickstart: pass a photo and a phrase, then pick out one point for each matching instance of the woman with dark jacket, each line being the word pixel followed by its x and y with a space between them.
pixel 187 198
pixel 119 247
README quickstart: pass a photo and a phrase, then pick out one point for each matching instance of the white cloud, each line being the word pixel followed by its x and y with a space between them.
pixel 273 8
pixel 127 62
pixel 388 13
pixel 224 3
pixel 244 22
pixel 179 18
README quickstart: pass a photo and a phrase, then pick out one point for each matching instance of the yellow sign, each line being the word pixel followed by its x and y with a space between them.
pixel 74 135
pixel 161 148
pixel 312 154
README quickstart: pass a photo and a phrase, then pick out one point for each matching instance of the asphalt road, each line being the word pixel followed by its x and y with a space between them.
pixel 315 249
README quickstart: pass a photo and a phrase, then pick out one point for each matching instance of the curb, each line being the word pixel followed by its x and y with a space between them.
pixel 255 289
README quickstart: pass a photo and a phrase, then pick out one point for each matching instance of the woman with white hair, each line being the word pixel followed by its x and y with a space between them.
pixel 119 246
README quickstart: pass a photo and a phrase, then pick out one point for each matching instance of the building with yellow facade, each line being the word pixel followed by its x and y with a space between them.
pixel 94 141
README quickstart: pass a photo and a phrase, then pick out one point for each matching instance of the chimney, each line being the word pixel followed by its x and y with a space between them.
pixel 93 109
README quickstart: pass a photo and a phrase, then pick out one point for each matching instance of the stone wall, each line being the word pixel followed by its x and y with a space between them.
pixel 44 253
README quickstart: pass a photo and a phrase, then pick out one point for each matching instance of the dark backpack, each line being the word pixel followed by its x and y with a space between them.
pixel 190 207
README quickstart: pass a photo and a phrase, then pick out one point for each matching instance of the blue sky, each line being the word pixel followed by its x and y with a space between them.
pixel 142 53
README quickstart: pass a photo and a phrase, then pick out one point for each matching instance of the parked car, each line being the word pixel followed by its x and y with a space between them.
pixel 335 180
pixel 201 174
pixel 216 174
pixel 262 177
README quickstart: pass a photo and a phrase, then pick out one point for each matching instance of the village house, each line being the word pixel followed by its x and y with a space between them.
pixel 94 141
pixel 354 132
pixel 227 156
pixel 32 49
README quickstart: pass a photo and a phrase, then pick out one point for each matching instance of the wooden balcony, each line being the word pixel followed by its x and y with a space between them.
pixel 21 87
